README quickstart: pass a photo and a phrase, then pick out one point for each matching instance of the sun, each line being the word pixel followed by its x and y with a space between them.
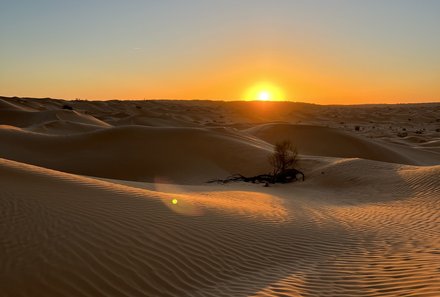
pixel 264 96
pixel 264 91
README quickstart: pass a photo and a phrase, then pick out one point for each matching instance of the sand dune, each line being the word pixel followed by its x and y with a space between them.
pixel 14 106
pixel 81 236
pixel 151 121
pixel 116 202
pixel 62 127
pixel 323 141
pixel 22 119
pixel 140 153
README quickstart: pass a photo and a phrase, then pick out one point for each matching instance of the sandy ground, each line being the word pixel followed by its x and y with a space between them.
pixel 110 199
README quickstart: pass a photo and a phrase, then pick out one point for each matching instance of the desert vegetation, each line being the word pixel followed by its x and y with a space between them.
pixel 282 161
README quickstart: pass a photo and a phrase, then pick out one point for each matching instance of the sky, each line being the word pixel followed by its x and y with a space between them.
pixel 325 52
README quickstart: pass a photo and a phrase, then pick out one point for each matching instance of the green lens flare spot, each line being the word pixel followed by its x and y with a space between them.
pixel 174 201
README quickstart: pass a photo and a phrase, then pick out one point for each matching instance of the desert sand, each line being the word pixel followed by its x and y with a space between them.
pixel 110 198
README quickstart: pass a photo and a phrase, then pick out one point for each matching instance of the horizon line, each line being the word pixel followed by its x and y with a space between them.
pixel 218 100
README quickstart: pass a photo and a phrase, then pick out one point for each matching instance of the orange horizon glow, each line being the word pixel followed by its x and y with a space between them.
pixel 240 82
pixel 304 51
pixel 344 97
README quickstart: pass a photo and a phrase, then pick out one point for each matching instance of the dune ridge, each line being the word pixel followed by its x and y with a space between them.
pixel 140 153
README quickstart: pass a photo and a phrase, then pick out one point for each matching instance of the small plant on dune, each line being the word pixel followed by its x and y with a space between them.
pixel 402 134
pixel 68 107
pixel 284 157
pixel 282 160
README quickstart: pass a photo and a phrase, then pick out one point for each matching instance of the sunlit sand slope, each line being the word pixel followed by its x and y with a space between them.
pixel 67 235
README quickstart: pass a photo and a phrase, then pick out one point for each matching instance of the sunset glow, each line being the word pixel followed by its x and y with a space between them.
pixel 353 52
pixel 264 96
pixel 264 91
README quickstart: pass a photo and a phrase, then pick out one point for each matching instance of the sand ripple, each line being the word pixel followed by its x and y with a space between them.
pixel 66 235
